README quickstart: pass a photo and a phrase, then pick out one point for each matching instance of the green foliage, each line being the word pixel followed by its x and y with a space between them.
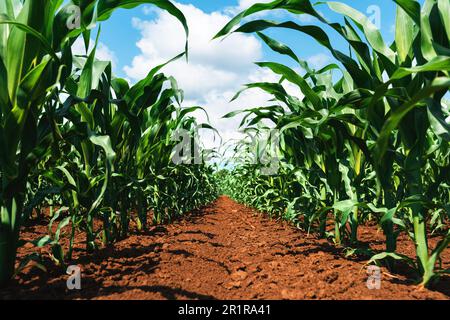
pixel 372 144
pixel 77 139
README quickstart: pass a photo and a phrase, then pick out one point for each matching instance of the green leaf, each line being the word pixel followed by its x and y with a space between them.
pixel 444 11
pixel 105 143
pixel 396 256
pixel 291 76
pixel 405 33
pixel 43 241
pixel 412 8
pixel 280 47
pixel 371 32
pixel 397 115
pixel 425 30
pixel 438 63
pixel 345 205
pixel 294 6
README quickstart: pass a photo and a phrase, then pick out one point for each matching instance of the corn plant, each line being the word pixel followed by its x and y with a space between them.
pixel 384 117
pixel 35 63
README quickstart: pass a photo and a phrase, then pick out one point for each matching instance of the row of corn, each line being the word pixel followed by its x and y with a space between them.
pixel 366 138
pixel 81 142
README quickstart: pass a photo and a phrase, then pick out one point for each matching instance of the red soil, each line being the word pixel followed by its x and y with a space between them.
pixel 225 251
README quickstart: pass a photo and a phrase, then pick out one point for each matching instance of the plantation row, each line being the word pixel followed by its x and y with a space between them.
pixel 81 142
pixel 368 140
pixel 372 145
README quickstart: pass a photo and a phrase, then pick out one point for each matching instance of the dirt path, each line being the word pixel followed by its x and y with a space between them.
pixel 224 252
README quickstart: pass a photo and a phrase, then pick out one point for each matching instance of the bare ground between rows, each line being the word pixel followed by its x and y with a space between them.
pixel 226 251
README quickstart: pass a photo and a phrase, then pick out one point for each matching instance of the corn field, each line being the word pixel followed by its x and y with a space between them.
pixel 372 145
pixel 367 140
pixel 81 141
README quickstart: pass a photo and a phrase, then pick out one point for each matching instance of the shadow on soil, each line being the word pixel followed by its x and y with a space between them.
pixel 402 274
pixel 106 263
pixel 113 267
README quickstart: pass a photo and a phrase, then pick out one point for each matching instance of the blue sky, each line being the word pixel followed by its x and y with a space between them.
pixel 120 36
pixel 138 39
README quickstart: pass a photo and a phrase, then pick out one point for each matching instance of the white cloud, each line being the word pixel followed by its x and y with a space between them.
pixel 147 10
pixel 245 4
pixel 212 64
pixel 392 28
pixel 103 52
pixel 318 61
pixel 217 104
pixel 306 18
pixel 216 69
pixel 106 54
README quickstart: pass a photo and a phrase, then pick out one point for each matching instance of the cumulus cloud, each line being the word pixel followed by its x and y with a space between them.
pixel 217 104
pixel 319 61
pixel 212 64
pixel 245 4
pixel 216 69
pixel 392 28
pixel 106 54
pixel 149 9
pixel 103 52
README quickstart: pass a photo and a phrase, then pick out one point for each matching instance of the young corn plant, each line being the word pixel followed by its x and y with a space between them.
pixel 31 71
pixel 318 136
pixel 390 102
pixel 35 62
